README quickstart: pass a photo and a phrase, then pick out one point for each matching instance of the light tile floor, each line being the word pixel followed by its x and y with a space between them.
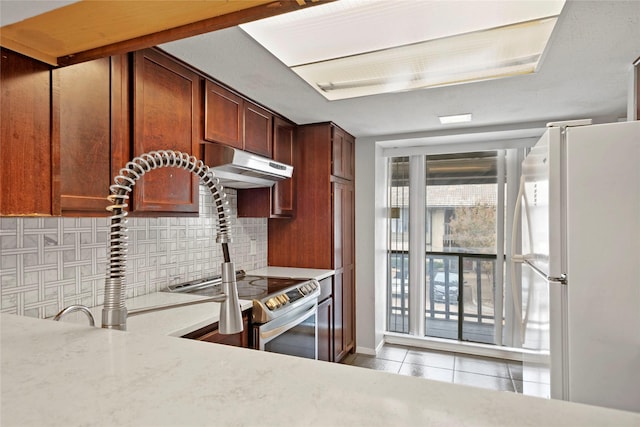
pixel 477 371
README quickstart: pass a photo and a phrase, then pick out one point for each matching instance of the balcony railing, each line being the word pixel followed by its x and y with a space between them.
pixel 451 310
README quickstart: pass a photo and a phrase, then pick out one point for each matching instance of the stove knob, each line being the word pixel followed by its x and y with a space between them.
pixel 281 299
pixel 303 290
pixel 269 304
pixel 286 297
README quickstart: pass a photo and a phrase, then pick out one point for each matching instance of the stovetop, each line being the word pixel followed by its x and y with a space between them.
pixel 272 296
pixel 249 287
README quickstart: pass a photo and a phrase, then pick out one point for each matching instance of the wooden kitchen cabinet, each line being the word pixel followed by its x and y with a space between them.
pixel 94 131
pixel 258 124
pixel 211 333
pixel 166 116
pixel 223 116
pixel 29 176
pixel 92 104
pixel 343 263
pixel 279 200
pixel 325 329
pixel 232 120
pixel 322 233
pixel 342 152
pixel 284 151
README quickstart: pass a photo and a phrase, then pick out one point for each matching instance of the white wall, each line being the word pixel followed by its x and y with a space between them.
pixel 371 232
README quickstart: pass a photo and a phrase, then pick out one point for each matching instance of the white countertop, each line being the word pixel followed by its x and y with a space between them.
pixel 293 272
pixel 180 321
pixel 63 374
pixel 174 321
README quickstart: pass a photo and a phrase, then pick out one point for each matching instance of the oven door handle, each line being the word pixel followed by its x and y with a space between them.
pixel 271 333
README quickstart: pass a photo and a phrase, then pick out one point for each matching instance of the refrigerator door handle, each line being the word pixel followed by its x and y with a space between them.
pixel 521 199
pixel 517 258
pixel 562 279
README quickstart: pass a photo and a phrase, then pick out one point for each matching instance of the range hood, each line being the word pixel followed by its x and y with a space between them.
pixel 240 169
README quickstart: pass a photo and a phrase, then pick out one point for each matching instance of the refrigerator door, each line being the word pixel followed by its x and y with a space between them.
pixel 541 238
pixel 543 297
pixel 603 262
pixel 536 365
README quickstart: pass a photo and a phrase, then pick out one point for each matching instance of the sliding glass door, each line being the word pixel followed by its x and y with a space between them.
pixel 460 279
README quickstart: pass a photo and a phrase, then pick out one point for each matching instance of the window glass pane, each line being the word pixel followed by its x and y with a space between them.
pixel 461 202
pixel 461 220
pixel 441 315
pixel 398 256
pixel 479 297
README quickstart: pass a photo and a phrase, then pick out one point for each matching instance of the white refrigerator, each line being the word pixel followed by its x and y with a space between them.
pixel 579 266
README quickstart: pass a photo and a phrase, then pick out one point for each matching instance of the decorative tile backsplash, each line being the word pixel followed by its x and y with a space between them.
pixel 47 264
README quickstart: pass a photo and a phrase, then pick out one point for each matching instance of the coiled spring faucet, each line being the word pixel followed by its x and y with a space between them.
pixel 114 313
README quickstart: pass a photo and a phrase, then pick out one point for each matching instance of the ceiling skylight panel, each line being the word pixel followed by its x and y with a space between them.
pixel 500 52
pixel 389 45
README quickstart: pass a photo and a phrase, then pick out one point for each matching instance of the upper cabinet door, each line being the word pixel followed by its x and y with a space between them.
pixel 223 116
pixel 284 152
pixel 232 120
pixel 93 132
pixel 30 166
pixel 258 124
pixel 166 117
pixel 278 201
pixel 342 146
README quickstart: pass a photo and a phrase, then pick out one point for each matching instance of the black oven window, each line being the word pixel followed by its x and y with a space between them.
pixel 297 341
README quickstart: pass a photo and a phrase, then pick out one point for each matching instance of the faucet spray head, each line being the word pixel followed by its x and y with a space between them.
pixel 230 312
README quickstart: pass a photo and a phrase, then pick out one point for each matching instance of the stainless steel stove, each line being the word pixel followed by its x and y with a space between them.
pixel 284 312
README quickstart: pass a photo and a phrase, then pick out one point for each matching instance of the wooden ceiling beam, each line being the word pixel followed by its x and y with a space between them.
pixel 89 30
pixel 189 30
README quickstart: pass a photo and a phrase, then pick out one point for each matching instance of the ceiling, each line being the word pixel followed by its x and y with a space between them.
pixel 585 73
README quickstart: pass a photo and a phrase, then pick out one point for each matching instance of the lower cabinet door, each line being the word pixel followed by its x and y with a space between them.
pixel 211 334
pixel 325 330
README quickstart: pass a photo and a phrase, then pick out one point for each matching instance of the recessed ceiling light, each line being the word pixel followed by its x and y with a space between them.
pixel 456 118
pixel 337 47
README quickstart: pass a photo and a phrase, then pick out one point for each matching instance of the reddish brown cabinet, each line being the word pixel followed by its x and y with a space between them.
pixel 30 168
pixel 343 263
pixel 325 329
pixel 211 333
pixel 93 131
pixel 278 201
pixel 322 233
pixel 166 116
pixel 284 151
pixel 232 120
pixel 223 112
pixel 257 129
pixel 342 150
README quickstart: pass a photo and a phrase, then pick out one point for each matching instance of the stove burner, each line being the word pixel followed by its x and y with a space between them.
pixel 269 284
pixel 272 296
pixel 247 292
